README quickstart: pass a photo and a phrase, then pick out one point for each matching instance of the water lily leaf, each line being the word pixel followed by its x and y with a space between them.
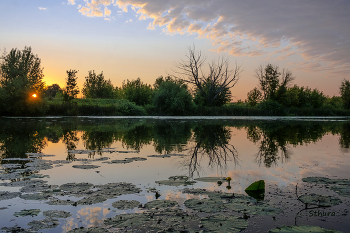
pixel 320 200
pixel 257 185
pixel 57 214
pixel 205 205
pixel 221 223
pixel 301 229
pixel 89 230
pixel 210 179
pixel 31 212
pixel 158 204
pixel 127 220
pixel 46 223
pixel 258 194
pixel 125 205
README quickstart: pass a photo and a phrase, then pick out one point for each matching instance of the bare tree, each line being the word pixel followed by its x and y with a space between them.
pixel 219 78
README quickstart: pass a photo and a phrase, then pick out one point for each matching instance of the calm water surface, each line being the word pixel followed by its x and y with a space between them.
pixel 280 151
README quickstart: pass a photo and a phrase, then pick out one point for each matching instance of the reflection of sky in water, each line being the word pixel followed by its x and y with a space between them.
pixel 321 158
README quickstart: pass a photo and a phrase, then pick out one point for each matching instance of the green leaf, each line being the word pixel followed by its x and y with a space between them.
pixel 257 185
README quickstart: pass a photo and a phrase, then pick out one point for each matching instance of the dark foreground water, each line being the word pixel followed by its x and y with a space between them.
pixel 54 163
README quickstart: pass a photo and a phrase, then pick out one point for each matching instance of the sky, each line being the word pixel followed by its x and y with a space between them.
pixel 127 39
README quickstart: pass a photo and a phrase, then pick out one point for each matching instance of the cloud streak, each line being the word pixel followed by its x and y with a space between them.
pixel 320 32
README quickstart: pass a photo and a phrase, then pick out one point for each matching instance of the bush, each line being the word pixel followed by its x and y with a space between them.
pixel 173 99
pixel 96 86
pixel 137 92
pixel 271 108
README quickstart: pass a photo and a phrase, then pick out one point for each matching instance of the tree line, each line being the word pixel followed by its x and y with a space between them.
pixel 188 91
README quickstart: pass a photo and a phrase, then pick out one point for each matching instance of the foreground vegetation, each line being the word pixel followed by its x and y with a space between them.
pixel 23 92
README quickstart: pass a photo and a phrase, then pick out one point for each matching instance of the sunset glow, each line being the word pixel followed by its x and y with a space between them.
pixel 127 39
pixel 34 95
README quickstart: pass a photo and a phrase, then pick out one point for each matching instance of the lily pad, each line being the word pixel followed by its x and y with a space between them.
pixel 39 164
pixel 57 214
pixel 159 156
pixel 341 186
pixel 159 204
pixel 36 196
pixel 10 176
pixel 46 223
pixel 122 161
pixel 210 179
pixel 301 229
pixel 38 188
pixel 127 151
pixel 86 166
pixel 127 220
pixel 176 181
pixel 324 180
pixel 125 205
pixel 248 205
pixel 93 199
pixel 320 200
pixel 76 187
pixel 165 155
pixel 56 201
pixel 31 212
pixel 101 159
pixel 89 230
pixel 80 151
pixel 4 195
pixel 16 229
pixel 24 183
pixel 138 158
pixel 205 205
pixel 221 223
pixel 37 176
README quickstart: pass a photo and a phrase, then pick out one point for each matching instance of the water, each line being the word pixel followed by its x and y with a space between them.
pixel 279 150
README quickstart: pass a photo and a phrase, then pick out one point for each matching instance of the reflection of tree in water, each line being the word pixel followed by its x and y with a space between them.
pixel 211 141
pixel 273 139
pixel 97 140
pixel 136 137
pixel 20 137
pixel 71 140
pixel 170 136
pixel 344 132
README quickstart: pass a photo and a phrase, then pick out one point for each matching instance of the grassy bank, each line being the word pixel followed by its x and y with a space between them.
pixel 113 107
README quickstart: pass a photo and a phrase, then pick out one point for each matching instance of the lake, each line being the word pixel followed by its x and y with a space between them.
pixel 173 174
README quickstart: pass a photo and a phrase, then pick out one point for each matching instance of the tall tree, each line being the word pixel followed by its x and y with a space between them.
pixel 96 86
pixel 72 89
pixel 21 76
pixel 269 80
pixel 212 84
pixel 345 93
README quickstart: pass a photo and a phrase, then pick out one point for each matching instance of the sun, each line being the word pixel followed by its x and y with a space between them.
pixel 34 95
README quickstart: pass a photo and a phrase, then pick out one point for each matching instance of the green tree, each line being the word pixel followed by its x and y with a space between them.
pixel 96 86
pixel 254 96
pixel 345 93
pixel 270 84
pixel 137 92
pixel 52 90
pixel 72 90
pixel 172 98
pixel 21 76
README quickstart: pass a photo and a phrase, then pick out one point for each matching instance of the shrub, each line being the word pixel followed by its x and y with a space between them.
pixel 271 108
pixel 172 99
pixel 137 92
